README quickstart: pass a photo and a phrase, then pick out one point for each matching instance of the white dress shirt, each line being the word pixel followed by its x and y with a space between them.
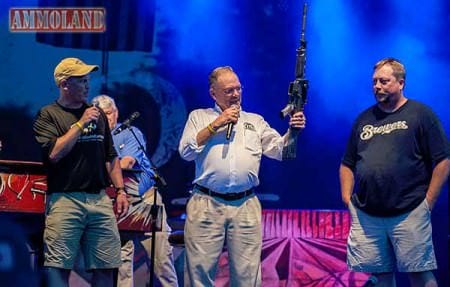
pixel 229 165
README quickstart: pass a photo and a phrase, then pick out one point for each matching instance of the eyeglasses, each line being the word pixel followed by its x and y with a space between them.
pixel 230 91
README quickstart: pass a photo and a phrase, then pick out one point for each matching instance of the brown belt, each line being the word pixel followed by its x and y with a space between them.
pixel 229 196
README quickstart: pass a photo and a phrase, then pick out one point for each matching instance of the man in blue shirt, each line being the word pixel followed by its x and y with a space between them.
pixel 132 156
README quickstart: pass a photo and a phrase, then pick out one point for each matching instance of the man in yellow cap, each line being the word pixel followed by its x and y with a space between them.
pixel 79 154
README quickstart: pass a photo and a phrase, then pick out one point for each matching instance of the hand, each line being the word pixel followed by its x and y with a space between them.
pixel 122 204
pixel 298 120
pixel 346 202
pixel 230 115
pixel 127 162
pixel 430 202
pixel 89 115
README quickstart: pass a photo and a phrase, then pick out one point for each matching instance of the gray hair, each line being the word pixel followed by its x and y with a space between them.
pixel 104 102
pixel 214 75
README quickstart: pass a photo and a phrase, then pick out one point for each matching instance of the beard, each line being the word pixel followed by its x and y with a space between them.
pixel 383 98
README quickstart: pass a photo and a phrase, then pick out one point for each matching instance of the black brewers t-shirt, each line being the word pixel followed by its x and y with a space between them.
pixel 392 156
pixel 84 167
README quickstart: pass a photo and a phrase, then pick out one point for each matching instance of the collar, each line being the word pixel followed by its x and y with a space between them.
pixel 219 109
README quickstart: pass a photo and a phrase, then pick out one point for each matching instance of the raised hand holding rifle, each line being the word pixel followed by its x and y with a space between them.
pixel 297 94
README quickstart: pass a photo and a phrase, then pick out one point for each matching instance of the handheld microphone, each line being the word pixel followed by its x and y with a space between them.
pixel 92 124
pixel 230 125
pixel 229 130
pixel 126 123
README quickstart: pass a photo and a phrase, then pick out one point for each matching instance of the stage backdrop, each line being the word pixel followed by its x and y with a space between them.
pixel 159 54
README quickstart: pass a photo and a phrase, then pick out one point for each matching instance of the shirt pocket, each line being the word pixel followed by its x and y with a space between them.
pixel 252 141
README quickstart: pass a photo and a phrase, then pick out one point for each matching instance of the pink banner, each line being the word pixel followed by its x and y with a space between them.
pixel 304 248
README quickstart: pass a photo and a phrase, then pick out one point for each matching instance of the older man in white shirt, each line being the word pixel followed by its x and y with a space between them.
pixel 226 144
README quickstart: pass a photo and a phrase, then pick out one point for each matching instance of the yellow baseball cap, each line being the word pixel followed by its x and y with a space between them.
pixel 70 67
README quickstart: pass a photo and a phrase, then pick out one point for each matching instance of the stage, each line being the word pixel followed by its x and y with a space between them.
pixel 300 248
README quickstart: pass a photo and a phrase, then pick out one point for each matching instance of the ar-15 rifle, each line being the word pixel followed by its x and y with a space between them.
pixel 297 94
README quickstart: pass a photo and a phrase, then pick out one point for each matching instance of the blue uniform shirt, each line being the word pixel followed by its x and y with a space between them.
pixel 126 145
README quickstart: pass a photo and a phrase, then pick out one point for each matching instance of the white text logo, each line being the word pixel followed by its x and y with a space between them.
pixel 368 131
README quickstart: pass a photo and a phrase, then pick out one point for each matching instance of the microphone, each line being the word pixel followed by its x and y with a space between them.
pixel 229 130
pixel 92 124
pixel 126 123
pixel 230 125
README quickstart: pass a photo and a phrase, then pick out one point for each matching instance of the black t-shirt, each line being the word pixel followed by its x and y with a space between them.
pixel 84 167
pixel 392 156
